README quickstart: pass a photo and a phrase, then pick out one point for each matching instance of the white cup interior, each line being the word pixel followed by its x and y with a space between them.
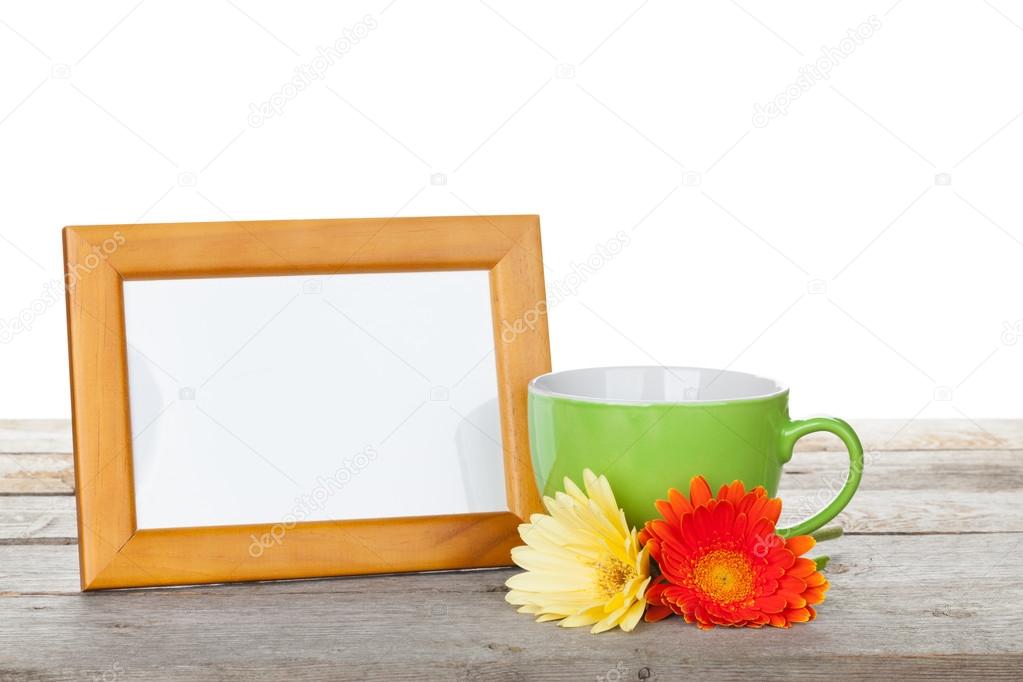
pixel 655 385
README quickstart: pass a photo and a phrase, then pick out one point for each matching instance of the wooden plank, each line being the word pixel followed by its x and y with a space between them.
pixel 920 471
pixel 941 491
pixel 926 434
pixel 37 474
pixel 35 435
pixel 902 492
pixel 40 519
pixel 921 606
pixel 881 512
pixel 32 569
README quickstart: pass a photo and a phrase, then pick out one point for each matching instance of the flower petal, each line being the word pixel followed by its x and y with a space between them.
pixel 772 603
pixel 536 581
pixel 791 583
pixel 679 503
pixel 588 617
pixel 800 544
pixel 792 600
pixel 656 612
pixel 803 567
pixel 609 621
pixel 813 595
pixel 632 616
pixel 733 492
pixel 815 579
pixel 739 525
pixel 800 615
pixel 665 509
pixel 772 509
pixel 699 491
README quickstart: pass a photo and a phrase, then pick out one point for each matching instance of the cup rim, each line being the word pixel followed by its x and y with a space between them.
pixel 534 388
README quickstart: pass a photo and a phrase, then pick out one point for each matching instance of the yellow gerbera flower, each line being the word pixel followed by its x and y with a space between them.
pixel 584 565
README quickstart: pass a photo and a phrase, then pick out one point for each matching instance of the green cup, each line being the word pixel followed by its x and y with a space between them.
pixel 649 429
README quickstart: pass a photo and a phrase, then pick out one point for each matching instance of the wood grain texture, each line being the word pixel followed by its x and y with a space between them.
pixel 99 403
pixel 37 519
pixel 114 553
pixel 918 606
pixel 926 434
pixel 37 474
pixel 938 491
pixel 35 435
pixel 522 349
pixel 268 247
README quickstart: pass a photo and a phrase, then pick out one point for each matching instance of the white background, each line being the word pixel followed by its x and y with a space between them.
pixel 818 248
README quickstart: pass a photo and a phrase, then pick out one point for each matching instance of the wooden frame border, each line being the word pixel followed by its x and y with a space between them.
pixel 113 552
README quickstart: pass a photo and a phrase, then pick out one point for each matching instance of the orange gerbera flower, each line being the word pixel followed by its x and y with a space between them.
pixel 722 563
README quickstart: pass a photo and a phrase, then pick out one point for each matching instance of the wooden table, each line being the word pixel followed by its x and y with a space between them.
pixel 928 581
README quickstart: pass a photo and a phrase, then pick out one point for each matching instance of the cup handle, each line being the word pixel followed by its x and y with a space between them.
pixel 795 430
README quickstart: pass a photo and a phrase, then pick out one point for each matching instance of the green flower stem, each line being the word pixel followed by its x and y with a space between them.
pixel 822 561
pixel 827 533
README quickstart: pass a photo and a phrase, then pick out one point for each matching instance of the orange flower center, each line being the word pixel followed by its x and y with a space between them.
pixel 612 574
pixel 724 575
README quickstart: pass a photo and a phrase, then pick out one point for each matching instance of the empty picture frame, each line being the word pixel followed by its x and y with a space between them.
pixel 304 398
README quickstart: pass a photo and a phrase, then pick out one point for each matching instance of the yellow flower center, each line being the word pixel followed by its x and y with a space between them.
pixel 612 575
pixel 724 575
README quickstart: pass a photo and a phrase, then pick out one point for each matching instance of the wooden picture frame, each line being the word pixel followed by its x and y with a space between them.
pixel 115 553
